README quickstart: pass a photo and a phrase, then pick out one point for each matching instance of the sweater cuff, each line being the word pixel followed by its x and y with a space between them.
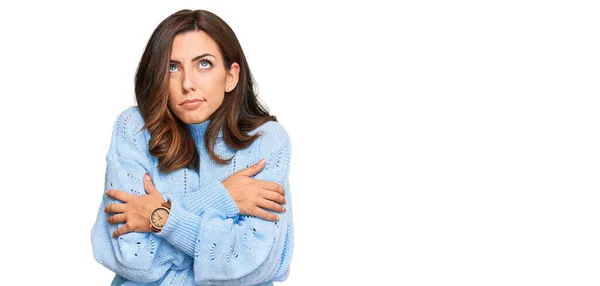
pixel 181 229
pixel 212 195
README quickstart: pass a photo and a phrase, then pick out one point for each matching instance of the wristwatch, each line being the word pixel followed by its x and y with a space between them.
pixel 159 216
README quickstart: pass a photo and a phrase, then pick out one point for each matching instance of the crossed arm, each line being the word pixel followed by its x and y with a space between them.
pixel 250 195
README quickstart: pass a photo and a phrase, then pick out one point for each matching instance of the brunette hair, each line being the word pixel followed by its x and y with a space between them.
pixel 240 112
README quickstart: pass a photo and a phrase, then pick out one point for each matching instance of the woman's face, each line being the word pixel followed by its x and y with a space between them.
pixel 198 79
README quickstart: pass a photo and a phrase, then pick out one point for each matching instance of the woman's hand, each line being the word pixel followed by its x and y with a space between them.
pixel 252 195
pixel 135 210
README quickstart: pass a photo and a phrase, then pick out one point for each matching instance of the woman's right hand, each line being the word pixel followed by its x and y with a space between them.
pixel 252 196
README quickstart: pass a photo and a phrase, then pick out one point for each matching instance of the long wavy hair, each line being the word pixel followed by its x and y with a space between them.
pixel 171 141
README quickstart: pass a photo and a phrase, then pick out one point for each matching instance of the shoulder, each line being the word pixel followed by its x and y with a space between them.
pixel 272 136
pixel 129 122
pixel 127 132
pixel 273 131
pixel 128 118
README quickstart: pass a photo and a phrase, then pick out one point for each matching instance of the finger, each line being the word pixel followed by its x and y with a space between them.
pixel 121 230
pixel 149 186
pixel 273 187
pixel 118 218
pixel 252 170
pixel 115 208
pixel 271 205
pixel 273 196
pixel 119 195
pixel 258 212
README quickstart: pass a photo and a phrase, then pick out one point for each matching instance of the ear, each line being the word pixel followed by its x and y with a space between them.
pixel 232 77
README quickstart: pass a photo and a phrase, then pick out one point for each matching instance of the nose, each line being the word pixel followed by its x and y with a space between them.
pixel 188 82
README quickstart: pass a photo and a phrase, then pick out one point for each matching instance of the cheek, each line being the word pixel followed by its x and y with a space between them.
pixel 170 102
pixel 213 87
pixel 174 90
pixel 174 85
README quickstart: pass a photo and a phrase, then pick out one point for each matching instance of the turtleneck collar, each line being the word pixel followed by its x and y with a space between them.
pixel 198 129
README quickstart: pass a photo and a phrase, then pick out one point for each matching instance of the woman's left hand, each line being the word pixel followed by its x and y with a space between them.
pixel 135 210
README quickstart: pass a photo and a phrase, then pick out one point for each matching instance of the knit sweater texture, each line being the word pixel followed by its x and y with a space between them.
pixel 206 241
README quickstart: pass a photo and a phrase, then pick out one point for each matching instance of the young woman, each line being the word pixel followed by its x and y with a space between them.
pixel 187 203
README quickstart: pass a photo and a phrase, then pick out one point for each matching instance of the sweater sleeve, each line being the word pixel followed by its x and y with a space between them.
pixel 141 257
pixel 238 250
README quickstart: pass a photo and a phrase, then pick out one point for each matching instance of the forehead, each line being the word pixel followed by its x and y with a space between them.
pixel 192 44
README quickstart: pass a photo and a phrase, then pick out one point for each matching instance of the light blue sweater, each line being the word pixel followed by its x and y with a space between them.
pixel 206 240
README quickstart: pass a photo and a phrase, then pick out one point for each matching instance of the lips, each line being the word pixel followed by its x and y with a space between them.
pixel 191 103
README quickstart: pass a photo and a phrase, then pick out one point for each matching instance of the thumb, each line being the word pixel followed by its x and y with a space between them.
pixel 148 185
pixel 254 169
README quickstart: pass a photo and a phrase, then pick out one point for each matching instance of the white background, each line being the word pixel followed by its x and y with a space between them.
pixel 434 143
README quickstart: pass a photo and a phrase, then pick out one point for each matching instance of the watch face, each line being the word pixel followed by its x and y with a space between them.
pixel 159 217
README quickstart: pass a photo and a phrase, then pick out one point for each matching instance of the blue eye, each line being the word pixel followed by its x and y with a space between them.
pixel 172 68
pixel 204 64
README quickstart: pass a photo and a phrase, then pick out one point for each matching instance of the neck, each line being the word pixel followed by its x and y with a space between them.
pixel 198 129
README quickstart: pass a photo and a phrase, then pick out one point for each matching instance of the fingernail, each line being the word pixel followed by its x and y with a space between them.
pixel 262 161
pixel 283 209
pixel 147 177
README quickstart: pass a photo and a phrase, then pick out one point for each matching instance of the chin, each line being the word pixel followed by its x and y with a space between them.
pixel 189 118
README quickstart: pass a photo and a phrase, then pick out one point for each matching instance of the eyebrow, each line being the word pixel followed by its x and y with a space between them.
pixel 196 58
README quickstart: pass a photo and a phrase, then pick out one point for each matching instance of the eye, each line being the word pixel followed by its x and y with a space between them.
pixel 204 64
pixel 172 68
